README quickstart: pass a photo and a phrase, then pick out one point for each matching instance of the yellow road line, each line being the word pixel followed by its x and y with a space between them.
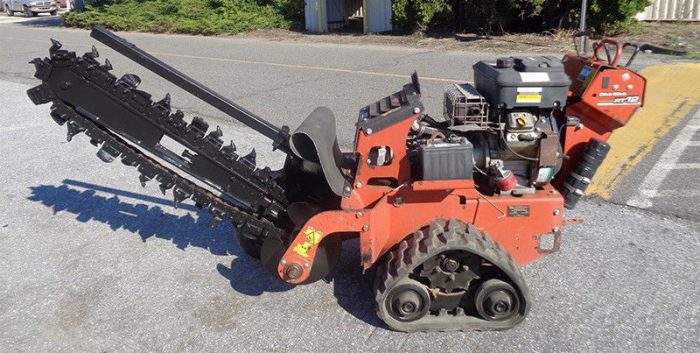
pixel 308 67
pixel 672 91
pixel 274 64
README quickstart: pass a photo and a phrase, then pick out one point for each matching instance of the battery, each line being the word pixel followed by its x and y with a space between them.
pixel 447 161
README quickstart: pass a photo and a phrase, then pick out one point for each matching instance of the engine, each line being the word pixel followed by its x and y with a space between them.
pixel 503 131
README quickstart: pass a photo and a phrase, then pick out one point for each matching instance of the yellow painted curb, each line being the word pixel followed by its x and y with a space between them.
pixel 672 91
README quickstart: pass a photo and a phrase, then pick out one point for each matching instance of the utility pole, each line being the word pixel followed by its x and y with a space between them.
pixel 582 26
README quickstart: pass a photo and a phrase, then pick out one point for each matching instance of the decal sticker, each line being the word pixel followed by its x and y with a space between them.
pixel 590 75
pixel 631 100
pixel 534 77
pixel 519 211
pixel 583 76
pixel 313 237
pixel 544 175
pixel 613 94
pixel 529 98
pixel 529 95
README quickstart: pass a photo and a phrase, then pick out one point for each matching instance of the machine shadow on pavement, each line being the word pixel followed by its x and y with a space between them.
pixel 193 229
pixel 351 287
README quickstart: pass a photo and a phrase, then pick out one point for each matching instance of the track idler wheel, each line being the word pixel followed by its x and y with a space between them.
pixel 496 300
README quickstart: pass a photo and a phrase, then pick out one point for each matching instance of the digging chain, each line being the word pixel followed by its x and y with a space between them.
pixel 252 220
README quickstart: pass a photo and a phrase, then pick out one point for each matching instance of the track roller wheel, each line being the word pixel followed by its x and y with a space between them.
pixel 408 301
pixel 449 276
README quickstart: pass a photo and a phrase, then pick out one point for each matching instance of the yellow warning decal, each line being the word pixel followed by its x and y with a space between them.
pixel 313 237
pixel 529 98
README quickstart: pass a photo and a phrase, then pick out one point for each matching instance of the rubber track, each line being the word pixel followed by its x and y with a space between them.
pixel 438 237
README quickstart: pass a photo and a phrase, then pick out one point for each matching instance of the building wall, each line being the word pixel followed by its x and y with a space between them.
pixel 671 10
pixel 379 16
pixel 377 12
pixel 311 16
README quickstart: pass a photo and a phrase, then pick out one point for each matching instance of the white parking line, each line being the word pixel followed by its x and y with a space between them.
pixel 668 162
pixel 668 193
pixel 679 165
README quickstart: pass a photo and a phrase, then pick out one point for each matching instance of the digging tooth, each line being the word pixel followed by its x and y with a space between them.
pixel 215 137
pixel 107 66
pixel 144 179
pixel 217 133
pixel 177 120
pixel 73 129
pixel 55 45
pixel 201 201
pixel 229 151
pixel 166 182
pixel 198 127
pixel 43 69
pixel 161 108
pixel 91 56
pixel 165 187
pixel 250 157
pixel 180 195
pixel 165 102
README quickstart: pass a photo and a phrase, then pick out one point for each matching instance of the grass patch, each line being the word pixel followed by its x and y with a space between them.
pixel 693 56
pixel 188 16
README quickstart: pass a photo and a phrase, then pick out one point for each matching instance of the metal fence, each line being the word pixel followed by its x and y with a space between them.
pixel 671 10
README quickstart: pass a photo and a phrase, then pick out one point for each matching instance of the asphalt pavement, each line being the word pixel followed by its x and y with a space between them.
pixel 92 262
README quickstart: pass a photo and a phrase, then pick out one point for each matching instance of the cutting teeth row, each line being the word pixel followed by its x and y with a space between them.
pixel 160 113
pixel 172 123
pixel 112 147
pixel 196 131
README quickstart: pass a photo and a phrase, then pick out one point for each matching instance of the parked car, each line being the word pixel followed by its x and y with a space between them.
pixel 30 7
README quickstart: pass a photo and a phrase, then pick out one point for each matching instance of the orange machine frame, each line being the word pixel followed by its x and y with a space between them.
pixel 384 215
pixel 602 97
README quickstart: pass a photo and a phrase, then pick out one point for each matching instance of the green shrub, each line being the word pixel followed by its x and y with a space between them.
pixel 184 16
pixel 410 15
pixel 498 16
pixel 614 16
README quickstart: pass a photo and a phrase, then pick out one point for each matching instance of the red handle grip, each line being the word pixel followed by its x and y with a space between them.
pixel 614 61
